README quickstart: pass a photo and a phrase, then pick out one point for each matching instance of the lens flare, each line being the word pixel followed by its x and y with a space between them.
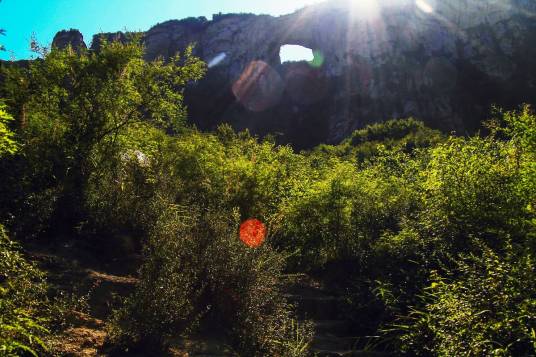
pixel 218 59
pixel 304 83
pixel 259 87
pixel 318 59
pixel 252 233
pixel 424 6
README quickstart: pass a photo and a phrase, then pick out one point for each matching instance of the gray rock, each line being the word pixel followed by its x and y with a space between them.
pixel 71 37
pixel 446 67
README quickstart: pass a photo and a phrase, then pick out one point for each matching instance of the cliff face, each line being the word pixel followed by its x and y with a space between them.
pixel 372 63
pixel 69 37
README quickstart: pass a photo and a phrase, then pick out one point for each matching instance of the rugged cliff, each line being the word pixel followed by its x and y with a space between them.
pixel 445 62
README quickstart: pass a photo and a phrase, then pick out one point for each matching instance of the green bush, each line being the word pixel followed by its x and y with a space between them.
pixel 391 129
pixel 339 211
pixel 364 144
pixel 485 307
pixel 163 191
pixel 470 191
pixel 7 143
pixel 474 192
pixel 196 272
pixel 23 298
pixel 71 105
pixel 521 128
pixel 23 303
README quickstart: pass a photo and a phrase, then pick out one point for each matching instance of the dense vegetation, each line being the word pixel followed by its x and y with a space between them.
pixel 431 237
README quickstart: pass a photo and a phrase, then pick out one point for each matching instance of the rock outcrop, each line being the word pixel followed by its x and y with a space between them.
pixel 445 62
pixel 71 37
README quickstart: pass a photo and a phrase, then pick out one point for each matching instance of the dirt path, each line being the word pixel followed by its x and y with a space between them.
pixel 334 334
pixel 97 286
pixel 91 287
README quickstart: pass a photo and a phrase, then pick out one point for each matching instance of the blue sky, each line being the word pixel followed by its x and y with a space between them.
pixel 21 18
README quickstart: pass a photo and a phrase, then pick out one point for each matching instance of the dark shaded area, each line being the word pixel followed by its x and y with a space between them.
pixel 300 117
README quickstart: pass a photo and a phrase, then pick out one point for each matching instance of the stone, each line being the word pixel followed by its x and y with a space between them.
pixel 446 67
pixel 71 37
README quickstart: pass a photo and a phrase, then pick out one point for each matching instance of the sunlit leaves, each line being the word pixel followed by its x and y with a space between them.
pixel 8 145
pixel 72 106
pixel 484 307
pixel 22 303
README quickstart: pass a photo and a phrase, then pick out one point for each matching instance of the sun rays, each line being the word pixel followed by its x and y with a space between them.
pixel 365 9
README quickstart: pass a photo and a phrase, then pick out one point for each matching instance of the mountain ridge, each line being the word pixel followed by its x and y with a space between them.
pixel 447 67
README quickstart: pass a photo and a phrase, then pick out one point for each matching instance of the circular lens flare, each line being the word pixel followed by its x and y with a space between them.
pixel 259 87
pixel 252 233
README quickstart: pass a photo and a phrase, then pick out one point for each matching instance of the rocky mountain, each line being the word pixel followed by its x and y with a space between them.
pixel 445 62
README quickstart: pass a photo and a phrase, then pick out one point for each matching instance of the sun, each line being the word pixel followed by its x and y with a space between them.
pixel 363 9
pixel 364 5
pixel 359 8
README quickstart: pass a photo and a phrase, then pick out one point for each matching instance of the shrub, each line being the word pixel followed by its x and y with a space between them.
pixel 404 134
pixel 470 194
pixel 7 143
pixel 339 211
pixel 71 104
pixel 197 272
pixel 485 307
pixel 23 303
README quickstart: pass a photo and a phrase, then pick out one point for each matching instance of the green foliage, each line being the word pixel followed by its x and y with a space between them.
pixel 473 194
pixel 22 303
pixel 72 105
pixel 196 272
pixel 433 234
pixel 395 129
pixel 299 338
pixel 400 215
pixel 485 307
pixel 341 210
pixel 521 127
pixel 7 143
pixel 470 192
pixel 165 191
pixel 403 134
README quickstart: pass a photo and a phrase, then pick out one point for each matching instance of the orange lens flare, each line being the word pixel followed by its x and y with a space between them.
pixel 252 233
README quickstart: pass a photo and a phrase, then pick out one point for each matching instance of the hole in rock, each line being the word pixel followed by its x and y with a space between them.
pixel 295 53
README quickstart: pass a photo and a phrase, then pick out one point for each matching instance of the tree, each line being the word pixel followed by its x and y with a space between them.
pixel 2 32
pixel 71 104
pixel 7 142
